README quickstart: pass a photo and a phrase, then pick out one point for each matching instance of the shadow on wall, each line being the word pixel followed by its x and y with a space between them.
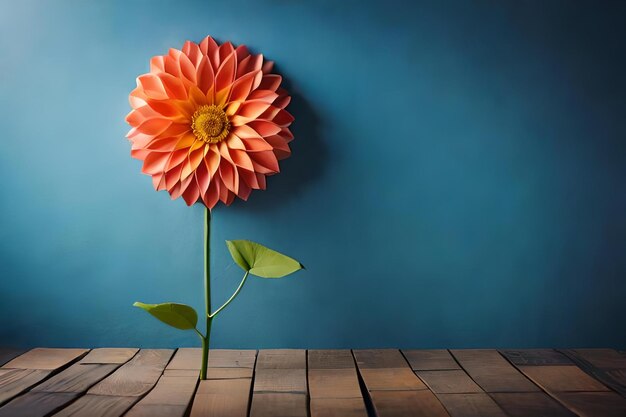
pixel 308 160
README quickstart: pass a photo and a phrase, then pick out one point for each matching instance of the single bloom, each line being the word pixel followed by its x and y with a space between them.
pixel 209 122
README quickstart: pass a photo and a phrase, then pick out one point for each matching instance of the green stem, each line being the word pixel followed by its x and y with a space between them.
pixel 232 297
pixel 207 293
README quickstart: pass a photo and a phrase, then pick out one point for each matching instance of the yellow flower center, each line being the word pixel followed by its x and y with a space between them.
pixel 210 124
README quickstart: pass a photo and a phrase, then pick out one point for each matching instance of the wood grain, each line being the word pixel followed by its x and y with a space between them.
pixel 594 404
pixel 191 358
pixel 224 398
pixel 430 360
pixel 280 380
pixel 448 382
pixel 492 371
pixel 379 358
pixel 337 407
pixel 115 394
pixel 97 406
pixel 109 355
pixel 15 381
pixel 530 404
pixel 78 378
pixel 536 357
pixel 330 359
pixel 281 359
pixel 32 367
pixel 334 384
pixel 37 404
pixel 58 391
pixel 599 358
pixel 471 405
pixel 171 397
pixel 560 378
pixel 606 365
pixel 407 404
pixel 386 369
pixel 136 377
pixel 318 383
pixel 268 404
pixel 45 359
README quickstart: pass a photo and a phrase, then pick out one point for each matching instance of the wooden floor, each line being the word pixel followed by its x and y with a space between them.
pixel 316 383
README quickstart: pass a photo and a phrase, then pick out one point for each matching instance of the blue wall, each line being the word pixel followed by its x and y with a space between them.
pixel 457 176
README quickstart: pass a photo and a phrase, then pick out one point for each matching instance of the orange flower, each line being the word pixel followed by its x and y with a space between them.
pixel 209 122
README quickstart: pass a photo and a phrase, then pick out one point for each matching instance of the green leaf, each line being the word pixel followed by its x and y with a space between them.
pixel 180 316
pixel 261 261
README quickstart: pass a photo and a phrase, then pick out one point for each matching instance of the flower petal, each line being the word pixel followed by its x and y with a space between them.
pixel 264 128
pixel 205 75
pixel 209 47
pixel 152 86
pixel 224 79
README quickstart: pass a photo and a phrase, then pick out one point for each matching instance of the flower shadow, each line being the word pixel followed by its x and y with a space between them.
pixel 303 167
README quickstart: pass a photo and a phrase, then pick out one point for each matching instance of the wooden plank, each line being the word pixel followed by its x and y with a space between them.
pixel 191 358
pixel 334 383
pixel 270 404
pixel 224 398
pixel 407 404
pixel 393 388
pixel 171 397
pixel 560 378
pixel 430 360
pixel 136 377
pixel 223 364
pixel 337 407
pixel 280 380
pixel 229 373
pixel 330 359
pixel 449 382
pixel 492 371
pixel 280 383
pixel 32 367
pixel 386 369
pixel 599 358
pixel 114 395
pixel 58 391
pixel 594 404
pixel 536 357
pixel 15 381
pixel 45 359
pixel 6 354
pixel 109 355
pixel 281 359
pixel 530 404
pixel 392 379
pixel 379 358
pixel 606 365
pixel 77 378
pixel 471 405
pixel 334 391
pixel 35 404
pixel 226 392
pixel 97 406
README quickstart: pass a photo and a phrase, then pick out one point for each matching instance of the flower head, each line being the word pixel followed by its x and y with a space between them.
pixel 209 122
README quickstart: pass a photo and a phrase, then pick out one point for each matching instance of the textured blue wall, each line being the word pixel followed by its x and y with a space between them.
pixel 457 177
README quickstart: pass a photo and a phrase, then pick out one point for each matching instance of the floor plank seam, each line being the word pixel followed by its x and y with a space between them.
pixel 50 375
pixel 252 379
pixel 306 378
pixel 63 406
pixel 545 391
pixel 595 372
pixel 365 393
